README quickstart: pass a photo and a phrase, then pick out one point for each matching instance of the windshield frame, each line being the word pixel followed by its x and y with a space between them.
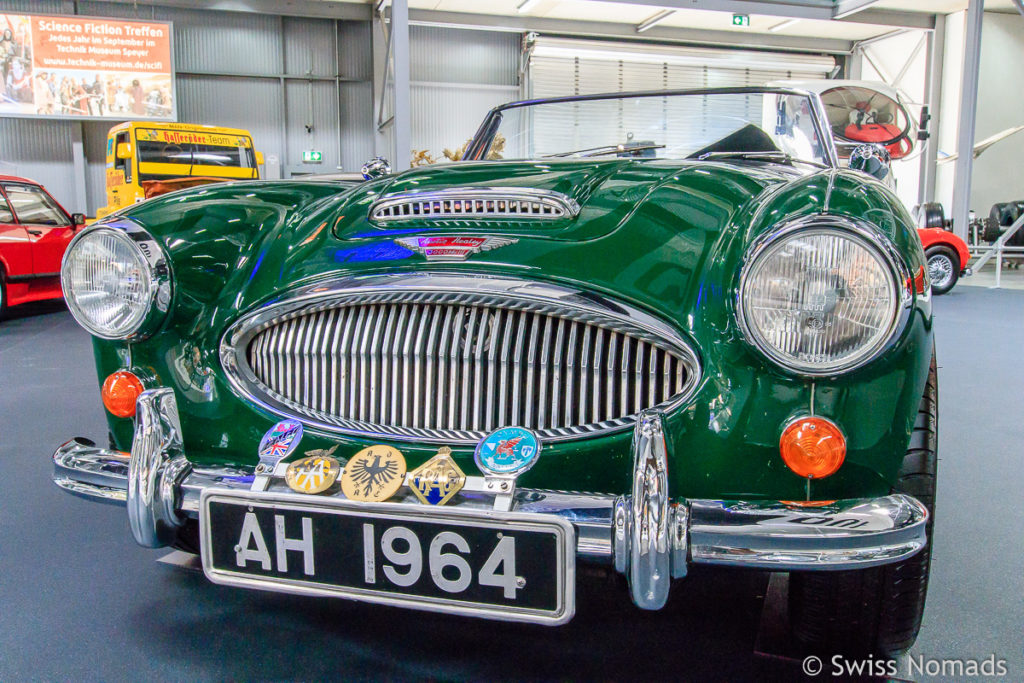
pixel 484 136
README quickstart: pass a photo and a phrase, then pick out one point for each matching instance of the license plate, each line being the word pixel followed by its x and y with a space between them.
pixel 511 566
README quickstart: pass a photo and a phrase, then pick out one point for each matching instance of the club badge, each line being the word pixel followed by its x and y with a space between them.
pixel 373 474
pixel 314 474
pixel 452 247
pixel 279 442
pixel 507 452
pixel 438 479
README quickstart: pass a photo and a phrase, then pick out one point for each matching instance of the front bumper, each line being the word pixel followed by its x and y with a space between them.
pixel 648 536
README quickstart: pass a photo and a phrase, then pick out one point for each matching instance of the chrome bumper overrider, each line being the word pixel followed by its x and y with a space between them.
pixel 647 535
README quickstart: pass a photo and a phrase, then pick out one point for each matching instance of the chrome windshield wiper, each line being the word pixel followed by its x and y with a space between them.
pixel 604 149
pixel 781 157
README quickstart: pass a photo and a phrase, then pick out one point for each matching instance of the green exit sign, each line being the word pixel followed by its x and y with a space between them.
pixel 312 157
pixel 740 20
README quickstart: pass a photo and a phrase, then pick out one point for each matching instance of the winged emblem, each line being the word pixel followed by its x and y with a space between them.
pixel 453 247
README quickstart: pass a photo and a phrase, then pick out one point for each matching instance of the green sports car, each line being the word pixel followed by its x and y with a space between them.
pixel 646 331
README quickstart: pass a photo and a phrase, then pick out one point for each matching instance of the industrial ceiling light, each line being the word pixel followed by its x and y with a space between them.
pixel 782 24
pixel 526 6
pixel 654 20
pixel 842 14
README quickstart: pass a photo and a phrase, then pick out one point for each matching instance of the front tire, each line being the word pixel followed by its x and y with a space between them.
pixel 943 269
pixel 875 611
pixel 3 294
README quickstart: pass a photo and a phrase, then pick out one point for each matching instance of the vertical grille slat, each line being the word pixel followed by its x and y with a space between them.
pixel 456 368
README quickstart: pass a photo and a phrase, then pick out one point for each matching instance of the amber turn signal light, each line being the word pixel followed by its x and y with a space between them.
pixel 120 391
pixel 813 447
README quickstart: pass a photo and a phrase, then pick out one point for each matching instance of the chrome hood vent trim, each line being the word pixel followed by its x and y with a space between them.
pixel 474 203
pixel 446 358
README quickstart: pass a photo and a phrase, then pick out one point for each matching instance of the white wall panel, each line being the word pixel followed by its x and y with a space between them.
pixel 446 116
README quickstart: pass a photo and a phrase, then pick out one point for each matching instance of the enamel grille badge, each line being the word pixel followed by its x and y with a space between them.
pixel 438 479
pixel 313 474
pixel 374 474
pixel 279 442
pixel 453 247
pixel 507 452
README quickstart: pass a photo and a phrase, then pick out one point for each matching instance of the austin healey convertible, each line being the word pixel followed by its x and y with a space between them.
pixel 644 331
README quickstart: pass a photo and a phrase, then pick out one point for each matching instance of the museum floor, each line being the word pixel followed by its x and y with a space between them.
pixel 80 601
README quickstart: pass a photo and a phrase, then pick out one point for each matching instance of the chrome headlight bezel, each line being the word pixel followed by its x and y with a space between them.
pixel 865 236
pixel 157 271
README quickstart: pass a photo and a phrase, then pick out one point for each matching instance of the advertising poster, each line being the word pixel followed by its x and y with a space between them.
pixel 85 67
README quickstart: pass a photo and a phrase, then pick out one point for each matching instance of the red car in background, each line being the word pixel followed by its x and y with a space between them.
pixel 34 232
pixel 947 257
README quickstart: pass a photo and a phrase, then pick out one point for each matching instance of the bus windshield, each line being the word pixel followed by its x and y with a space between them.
pixel 191 153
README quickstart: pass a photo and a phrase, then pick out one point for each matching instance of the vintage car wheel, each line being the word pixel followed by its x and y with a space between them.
pixel 3 294
pixel 875 611
pixel 943 269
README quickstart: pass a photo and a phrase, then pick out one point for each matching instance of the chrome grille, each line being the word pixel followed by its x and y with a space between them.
pixel 474 203
pixel 443 357
pixel 451 366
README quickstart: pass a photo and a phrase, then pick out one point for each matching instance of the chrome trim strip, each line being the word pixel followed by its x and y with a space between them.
pixel 565 561
pixel 474 203
pixel 846 534
pixel 518 299
pixel 870 238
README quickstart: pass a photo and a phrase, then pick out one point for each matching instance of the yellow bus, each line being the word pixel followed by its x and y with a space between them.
pixel 148 158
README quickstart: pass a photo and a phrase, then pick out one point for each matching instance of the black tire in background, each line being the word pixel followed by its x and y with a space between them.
pixel 930 215
pixel 875 611
pixel 3 293
pixel 943 268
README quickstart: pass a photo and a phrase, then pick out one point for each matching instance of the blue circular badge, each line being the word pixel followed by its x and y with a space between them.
pixel 509 451
pixel 280 440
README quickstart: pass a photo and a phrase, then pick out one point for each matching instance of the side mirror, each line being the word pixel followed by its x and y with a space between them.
pixel 375 168
pixel 259 158
pixel 123 151
pixel 873 160
pixel 77 219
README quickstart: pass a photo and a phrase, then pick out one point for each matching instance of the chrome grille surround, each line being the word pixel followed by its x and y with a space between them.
pixel 474 203
pixel 286 343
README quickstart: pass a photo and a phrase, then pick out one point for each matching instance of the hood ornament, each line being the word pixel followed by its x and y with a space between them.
pixel 453 247
pixel 376 168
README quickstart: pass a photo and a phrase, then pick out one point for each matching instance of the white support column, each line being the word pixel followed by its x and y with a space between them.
pixel 81 168
pixel 933 97
pixel 402 102
pixel 968 116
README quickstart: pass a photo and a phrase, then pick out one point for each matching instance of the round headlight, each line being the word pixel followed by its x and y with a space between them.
pixel 821 296
pixel 114 280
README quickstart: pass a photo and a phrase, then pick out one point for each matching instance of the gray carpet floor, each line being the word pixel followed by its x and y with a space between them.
pixel 80 601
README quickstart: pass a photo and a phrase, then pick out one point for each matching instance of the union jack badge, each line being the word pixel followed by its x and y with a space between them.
pixel 453 247
pixel 279 442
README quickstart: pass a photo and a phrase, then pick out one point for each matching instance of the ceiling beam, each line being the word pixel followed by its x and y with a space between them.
pixel 823 10
pixel 670 34
pixel 345 11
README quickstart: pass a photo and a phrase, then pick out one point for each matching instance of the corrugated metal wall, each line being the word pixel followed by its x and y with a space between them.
pixel 234 69
pixel 457 75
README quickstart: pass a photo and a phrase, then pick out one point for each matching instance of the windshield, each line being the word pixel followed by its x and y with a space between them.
pixel 192 152
pixel 774 126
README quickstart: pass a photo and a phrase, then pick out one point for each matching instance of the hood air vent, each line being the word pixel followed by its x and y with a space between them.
pixel 475 203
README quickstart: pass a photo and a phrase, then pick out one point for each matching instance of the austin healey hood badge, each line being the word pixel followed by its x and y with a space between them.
pixel 453 247
pixel 373 474
pixel 314 474
pixel 438 479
